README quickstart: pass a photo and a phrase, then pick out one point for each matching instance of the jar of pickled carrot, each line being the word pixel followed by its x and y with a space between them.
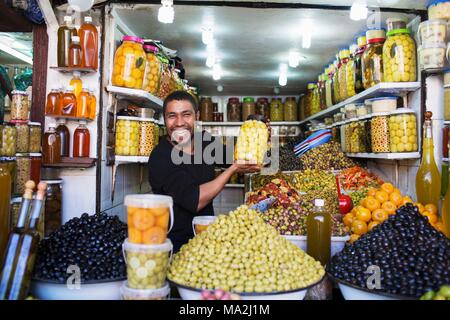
pixel 129 63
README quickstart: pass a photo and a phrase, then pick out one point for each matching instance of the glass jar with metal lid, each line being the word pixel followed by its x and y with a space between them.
pixel 344 56
pixel 152 73
pixel 19 105
pixel 329 86
pixel 263 107
pixel 53 206
pixel 358 63
pixel 23 172
pixel 35 137
pixel 248 108
pixel 206 109
pixel 23 136
pixel 127 136
pixel 276 110
pixel 350 71
pixel 8 138
pixel 290 109
pixel 372 65
pixel 233 110
pixel 336 90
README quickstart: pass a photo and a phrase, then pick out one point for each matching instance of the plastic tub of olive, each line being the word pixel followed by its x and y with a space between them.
pixel 337 243
pixel 200 223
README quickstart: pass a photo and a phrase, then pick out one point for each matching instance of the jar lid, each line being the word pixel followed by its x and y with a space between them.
pixel 147 201
pixel 134 247
pixel 52 181
pixel 383 98
pixel 23 93
pixel 262 99
pixel 35 155
pixel 133 38
pixel 146 120
pixel 34 124
pixel 16 200
pixel 375 35
pixel 233 100
pixel 128 118
pixel 21 155
pixel 432 46
pixel 19 122
pixel 151 48
pixel 249 99
pixel 362 41
pixel 396 19
pixel 435 21
pixel 436 2
pixel 398 31
pixel 344 53
pixel 311 85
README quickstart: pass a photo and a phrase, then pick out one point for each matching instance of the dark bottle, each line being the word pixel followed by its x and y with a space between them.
pixel 65 33
pixel 65 137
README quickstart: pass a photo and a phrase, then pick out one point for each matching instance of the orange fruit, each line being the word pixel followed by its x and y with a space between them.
pixel 382 196
pixel 134 235
pixel 372 225
pixel 439 226
pixel 372 192
pixel 143 219
pixel 348 219
pixel 420 207
pixel 406 200
pixel 380 215
pixel 359 227
pixel 396 198
pixel 389 206
pixel 388 187
pixel 431 208
pixel 363 202
pixel 363 214
pixel 372 203
pixel 354 237
pixel 432 218
pixel 163 221
pixel 397 190
pixel 159 211
pixel 154 235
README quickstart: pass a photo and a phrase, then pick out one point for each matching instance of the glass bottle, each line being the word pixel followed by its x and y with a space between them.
pixel 372 62
pixel 358 63
pixel 329 86
pixel 69 103
pixel 350 71
pixel 446 208
pixel 428 180
pixel 75 53
pixel 344 55
pixel 84 104
pixel 51 146
pixel 5 198
pixel 92 105
pixel 52 106
pixel 336 90
pixel 89 44
pixel 76 83
pixel 81 141
pixel 65 34
pixel 319 233
pixel 64 135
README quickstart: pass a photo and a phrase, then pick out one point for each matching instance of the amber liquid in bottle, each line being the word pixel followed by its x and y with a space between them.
pixel 69 103
pixel 64 135
pixel 84 104
pixel 75 53
pixel 65 34
pixel 77 84
pixel 319 233
pixel 5 197
pixel 89 44
pixel 52 106
pixel 81 141
pixel 92 105
pixel 51 146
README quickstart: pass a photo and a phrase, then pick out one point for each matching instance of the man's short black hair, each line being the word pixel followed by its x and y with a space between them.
pixel 180 96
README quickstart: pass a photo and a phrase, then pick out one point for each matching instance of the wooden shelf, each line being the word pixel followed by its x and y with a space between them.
pixel 387 156
pixel 130 159
pixel 71 70
pixel 140 98
pixel 72 163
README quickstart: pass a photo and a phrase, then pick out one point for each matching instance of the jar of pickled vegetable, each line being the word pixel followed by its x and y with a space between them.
pixel 8 138
pixel 276 110
pixel 350 71
pixel 23 136
pixel 329 86
pixel 368 135
pixel 290 109
pixel 248 108
pixel 23 172
pixel 262 107
pixel 336 90
pixel 372 65
pixel 315 101
pixel 344 56
pixel 129 63
pixel 127 136
pixel 146 137
pixel 177 83
pixel 10 164
pixel 35 137
pixel 380 134
pixel 234 110
pixel 19 105
pixel 152 73
pixel 165 79
pixel 403 132
pixel 206 109
pixel 358 63
pixel 321 90
pixel 309 99
pixel 348 137
pixel 355 138
pixel 399 57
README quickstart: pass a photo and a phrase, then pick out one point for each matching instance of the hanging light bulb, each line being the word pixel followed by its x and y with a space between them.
pixel 207 36
pixel 359 10
pixel 217 72
pixel 219 88
pixel 294 59
pixel 166 13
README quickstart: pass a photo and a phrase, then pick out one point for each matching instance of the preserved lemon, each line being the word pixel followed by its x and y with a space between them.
pixel 129 63
pixel 399 57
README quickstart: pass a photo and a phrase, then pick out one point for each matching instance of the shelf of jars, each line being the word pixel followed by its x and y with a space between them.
pixel 379 90
pixel 69 118
pixel 141 98
pixel 72 163
pixel 130 159
pixel 232 124
pixel 386 156
pixel 71 70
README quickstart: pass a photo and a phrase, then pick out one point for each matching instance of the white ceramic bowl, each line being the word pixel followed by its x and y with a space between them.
pixel 93 291
pixel 337 243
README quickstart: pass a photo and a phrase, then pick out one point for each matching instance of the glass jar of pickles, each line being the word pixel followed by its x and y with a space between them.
pixel 165 79
pixel 290 109
pixel 8 138
pixel 234 110
pixel 35 137
pixel 23 172
pixel 336 90
pixel 127 136
pixel 358 63
pixel 262 107
pixel 19 105
pixel 315 100
pixel 129 63
pixel 23 136
pixel 399 56
pixel 321 89
pixel 372 62
pixel 380 134
pixel 152 73
pixel 276 110
pixel 147 137
pixel 248 108
pixel 344 56
pixel 309 99
pixel 403 133
pixel 367 135
pixel 350 71
pixel 329 86
pixel 348 137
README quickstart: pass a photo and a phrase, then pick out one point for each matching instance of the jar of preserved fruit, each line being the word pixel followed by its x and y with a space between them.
pixel 321 90
pixel 35 137
pixel 146 137
pixel 127 136
pixel 350 71
pixel 329 86
pixel 372 66
pixel 358 63
pixel 8 138
pixel 206 109
pixel 23 136
pixel 399 57
pixel 19 105
pixel 152 72
pixel 165 79
pixel 10 164
pixel 368 135
pixel 276 110
pixel 233 110
pixel 356 138
pixel 336 90
pixel 129 63
pixel 348 137
pixel 403 132
pixel 23 172
pixel 263 107
pixel 248 108
pixel 344 56
pixel 315 108
pixel 290 109
pixel 380 134
pixel 53 206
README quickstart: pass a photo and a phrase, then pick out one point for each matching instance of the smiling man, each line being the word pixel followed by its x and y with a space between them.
pixel 190 183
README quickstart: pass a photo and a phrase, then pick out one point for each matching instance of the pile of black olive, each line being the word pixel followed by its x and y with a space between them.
pixel 413 257
pixel 91 242
pixel 288 159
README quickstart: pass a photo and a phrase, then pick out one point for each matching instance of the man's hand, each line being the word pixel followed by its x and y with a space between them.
pixel 241 167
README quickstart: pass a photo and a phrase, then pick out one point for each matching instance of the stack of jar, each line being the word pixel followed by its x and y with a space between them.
pixel 147 251
pixel 136 136
pixel 433 39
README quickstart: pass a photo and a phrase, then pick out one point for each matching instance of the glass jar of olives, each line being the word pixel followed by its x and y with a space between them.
pixel 19 105
pixel 276 110
pixel 344 56
pixel 372 62
pixel 8 138
pixel 233 110
pixel 23 136
pixel 35 137
pixel 262 107
pixel 290 109
pixel 248 108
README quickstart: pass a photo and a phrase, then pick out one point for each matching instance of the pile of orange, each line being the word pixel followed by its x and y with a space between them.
pixel 378 206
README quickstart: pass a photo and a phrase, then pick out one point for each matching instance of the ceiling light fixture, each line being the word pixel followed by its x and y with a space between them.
pixel 217 72
pixel 294 59
pixel 166 12
pixel 207 35
pixel 219 88
pixel 359 10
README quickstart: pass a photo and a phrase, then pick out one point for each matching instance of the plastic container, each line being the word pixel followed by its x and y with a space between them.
pixel 147 264
pixel 357 142
pixel 383 104
pixel 147 137
pixel 439 9
pixel 276 110
pixel 19 105
pixel 89 44
pixel 53 103
pixel 380 134
pixel 361 110
pixel 36 164
pixel 403 132
pixel 432 32
pixel 399 57
pixel 432 56
pixel 129 63
pixel 233 110
pixel 447 103
pixel 372 61
pixel 362 43
pixel 51 146
pixel 350 111
pixel 290 109
pixel 248 108
pixel 148 218
pixel 329 86
pixel 64 135
pixel 152 73
pixel 150 294
pixel 336 89
pixel 206 109
pixel 321 91
pixel 166 78
pixel 348 138
pixel 23 136
pixel 81 141
pixel 200 223
pixel 8 138
pixel 127 136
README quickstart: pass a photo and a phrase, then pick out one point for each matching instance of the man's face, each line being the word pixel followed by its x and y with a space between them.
pixel 180 120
